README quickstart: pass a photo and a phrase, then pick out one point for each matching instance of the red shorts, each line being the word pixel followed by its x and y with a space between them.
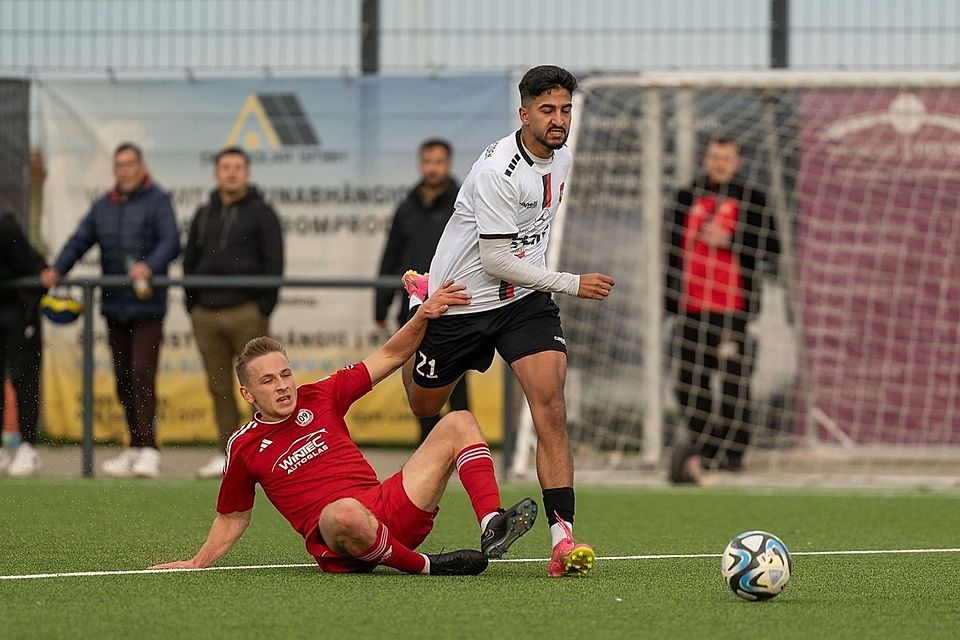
pixel 407 522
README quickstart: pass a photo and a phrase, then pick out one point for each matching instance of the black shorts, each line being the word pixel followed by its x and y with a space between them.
pixel 455 343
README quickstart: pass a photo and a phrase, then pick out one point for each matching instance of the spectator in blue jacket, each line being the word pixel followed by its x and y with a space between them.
pixel 136 229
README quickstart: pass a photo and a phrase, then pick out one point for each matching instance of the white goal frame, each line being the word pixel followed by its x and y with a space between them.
pixel 650 126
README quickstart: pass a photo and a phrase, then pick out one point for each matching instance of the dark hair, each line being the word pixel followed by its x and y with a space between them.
pixel 436 142
pixel 254 349
pixel 232 151
pixel 723 140
pixel 539 80
pixel 128 146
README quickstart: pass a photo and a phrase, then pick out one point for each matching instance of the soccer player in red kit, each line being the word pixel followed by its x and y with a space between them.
pixel 299 449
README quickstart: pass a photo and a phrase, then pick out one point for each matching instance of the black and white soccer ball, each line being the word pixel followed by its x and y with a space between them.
pixel 756 565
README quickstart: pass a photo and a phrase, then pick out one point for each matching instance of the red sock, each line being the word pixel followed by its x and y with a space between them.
pixel 386 550
pixel 475 466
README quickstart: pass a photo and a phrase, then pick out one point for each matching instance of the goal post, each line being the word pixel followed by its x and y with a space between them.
pixel 848 358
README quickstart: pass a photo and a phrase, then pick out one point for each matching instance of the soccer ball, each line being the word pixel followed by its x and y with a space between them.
pixel 756 565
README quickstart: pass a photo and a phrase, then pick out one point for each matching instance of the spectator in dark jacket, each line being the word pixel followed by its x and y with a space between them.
pixel 417 226
pixel 719 232
pixel 136 229
pixel 20 342
pixel 236 233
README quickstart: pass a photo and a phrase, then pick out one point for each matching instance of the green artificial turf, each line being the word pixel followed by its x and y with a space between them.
pixel 52 526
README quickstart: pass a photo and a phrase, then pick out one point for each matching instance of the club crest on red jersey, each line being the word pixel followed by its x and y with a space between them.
pixel 304 417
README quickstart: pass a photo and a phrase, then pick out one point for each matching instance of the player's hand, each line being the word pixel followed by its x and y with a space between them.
pixel 179 564
pixel 715 235
pixel 449 294
pixel 595 286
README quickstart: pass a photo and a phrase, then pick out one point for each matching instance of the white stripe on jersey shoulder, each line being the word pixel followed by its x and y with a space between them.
pixel 236 434
pixel 327 377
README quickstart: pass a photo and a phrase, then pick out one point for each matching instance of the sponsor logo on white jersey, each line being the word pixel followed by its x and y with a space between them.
pixel 301 451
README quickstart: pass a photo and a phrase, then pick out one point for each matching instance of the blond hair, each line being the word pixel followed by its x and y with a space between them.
pixel 254 349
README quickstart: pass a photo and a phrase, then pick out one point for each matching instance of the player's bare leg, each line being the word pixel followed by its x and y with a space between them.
pixel 542 377
pixel 350 529
pixel 458 443
pixel 424 402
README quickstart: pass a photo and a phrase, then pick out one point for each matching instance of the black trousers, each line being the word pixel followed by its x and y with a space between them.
pixel 135 346
pixel 20 345
pixel 715 344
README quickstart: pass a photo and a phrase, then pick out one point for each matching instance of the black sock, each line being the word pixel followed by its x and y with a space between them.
pixel 559 502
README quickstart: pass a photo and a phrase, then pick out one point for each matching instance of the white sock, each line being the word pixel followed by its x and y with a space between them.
pixel 486 519
pixel 426 567
pixel 558 533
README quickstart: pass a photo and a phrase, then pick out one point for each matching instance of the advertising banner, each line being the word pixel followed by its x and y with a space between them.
pixel 333 156
pixel 879 193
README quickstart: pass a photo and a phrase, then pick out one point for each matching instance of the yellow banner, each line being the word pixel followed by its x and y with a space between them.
pixel 184 406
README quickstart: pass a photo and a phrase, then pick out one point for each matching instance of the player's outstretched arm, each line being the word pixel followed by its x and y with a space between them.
pixel 404 342
pixel 224 533
pixel 498 261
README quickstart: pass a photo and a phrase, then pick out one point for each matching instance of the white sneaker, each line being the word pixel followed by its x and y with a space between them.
pixel 214 468
pixel 25 461
pixel 147 465
pixel 4 459
pixel 122 465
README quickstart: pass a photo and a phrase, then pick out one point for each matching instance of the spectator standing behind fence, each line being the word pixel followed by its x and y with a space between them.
pixel 136 229
pixel 719 233
pixel 417 226
pixel 235 233
pixel 20 342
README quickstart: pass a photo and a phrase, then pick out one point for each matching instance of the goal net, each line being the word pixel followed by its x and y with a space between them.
pixel 801 319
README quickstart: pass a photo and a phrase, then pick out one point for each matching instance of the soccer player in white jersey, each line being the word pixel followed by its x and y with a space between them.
pixel 495 243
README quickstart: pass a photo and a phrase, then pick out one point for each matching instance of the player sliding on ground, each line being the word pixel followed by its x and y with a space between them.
pixel 299 449
pixel 495 243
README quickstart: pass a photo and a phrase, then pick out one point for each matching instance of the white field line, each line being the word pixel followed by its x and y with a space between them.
pixel 656 556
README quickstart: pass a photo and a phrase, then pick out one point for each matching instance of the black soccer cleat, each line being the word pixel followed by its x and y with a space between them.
pixel 465 562
pixel 506 527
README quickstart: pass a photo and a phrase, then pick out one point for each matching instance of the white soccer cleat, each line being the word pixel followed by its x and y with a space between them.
pixel 147 465
pixel 214 468
pixel 25 461
pixel 122 465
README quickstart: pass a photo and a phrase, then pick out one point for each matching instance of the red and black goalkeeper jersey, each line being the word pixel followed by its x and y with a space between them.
pixel 700 278
pixel 304 462
pixel 711 275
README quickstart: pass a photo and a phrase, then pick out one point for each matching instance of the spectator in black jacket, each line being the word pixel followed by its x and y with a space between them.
pixel 136 229
pixel 236 233
pixel 417 226
pixel 20 342
pixel 719 232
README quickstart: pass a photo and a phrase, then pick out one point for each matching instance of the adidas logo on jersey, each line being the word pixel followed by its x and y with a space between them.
pixel 264 444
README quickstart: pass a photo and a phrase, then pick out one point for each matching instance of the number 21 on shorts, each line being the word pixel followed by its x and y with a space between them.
pixel 430 364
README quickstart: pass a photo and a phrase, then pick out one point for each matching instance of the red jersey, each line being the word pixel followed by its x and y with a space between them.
pixel 711 275
pixel 304 462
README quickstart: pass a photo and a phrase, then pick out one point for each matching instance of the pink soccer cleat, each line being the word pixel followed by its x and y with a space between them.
pixel 417 286
pixel 570 558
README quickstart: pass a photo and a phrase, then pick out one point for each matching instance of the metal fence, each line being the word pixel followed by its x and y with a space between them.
pixel 423 36
pixel 90 285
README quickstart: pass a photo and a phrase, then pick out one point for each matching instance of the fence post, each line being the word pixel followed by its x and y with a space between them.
pixel 370 37
pixel 779 33
pixel 88 379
